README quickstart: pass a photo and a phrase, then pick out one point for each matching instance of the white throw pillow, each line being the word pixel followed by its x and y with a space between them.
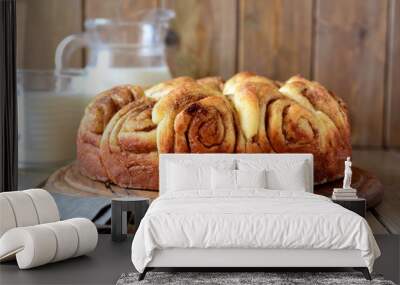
pixel 187 174
pixel 251 178
pixel 228 179
pixel 183 177
pixel 281 175
pixel 290 179
pixel 223 179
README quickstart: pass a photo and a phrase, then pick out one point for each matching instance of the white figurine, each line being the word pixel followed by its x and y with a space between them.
pixel 347 174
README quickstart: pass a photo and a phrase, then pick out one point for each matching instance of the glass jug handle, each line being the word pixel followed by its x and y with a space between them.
pixel 66 48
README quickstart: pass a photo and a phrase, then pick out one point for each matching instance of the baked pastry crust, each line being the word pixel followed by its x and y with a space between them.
pixel 162 89
pixel 216 83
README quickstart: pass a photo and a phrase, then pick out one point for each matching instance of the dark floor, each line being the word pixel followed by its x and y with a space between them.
pixel 103 266
pixel 110 260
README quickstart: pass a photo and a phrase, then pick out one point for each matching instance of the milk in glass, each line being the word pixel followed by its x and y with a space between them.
pixel 49 113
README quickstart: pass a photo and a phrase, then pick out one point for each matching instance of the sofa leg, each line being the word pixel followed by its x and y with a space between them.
pixel 142 275
pixel 364 271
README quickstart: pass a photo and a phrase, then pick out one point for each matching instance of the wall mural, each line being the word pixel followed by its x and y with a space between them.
pixel 102 99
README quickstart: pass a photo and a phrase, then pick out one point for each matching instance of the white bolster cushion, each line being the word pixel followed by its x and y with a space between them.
pixel 26 208
pixel 40 244
pixel 7 219
pixel 87 235
pixel 24 211
pixel 46 207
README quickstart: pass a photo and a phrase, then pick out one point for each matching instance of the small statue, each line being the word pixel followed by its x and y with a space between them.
pixel 347 174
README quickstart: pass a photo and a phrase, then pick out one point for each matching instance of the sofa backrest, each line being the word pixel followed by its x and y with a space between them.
pixel 26 208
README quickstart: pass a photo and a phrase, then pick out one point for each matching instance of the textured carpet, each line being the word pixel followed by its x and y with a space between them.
pixel 225 278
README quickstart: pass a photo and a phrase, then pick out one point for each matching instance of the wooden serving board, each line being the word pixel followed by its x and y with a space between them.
pixel 68 180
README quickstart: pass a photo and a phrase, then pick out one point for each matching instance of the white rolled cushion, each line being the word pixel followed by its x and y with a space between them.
pixel 87 235
pixel 251 178
pixel 26 208
pixel 23 208
pixel 66 238
pixel 40 244
pixel 7 218
pixel 33 246
pixel 45 205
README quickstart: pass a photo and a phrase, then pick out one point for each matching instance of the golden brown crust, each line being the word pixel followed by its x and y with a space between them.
pixel 232 84
pixel 128 147
pixel 97 115
pixel 214 82
pixel 162 89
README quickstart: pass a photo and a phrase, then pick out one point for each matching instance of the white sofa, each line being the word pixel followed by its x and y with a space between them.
pixel 31 231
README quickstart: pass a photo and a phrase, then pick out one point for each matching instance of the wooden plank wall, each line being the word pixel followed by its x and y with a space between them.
pixel 349 58
pixel 207 37
pixel 41 25
pixel 393 87
pixel 351 46
pixel 275 37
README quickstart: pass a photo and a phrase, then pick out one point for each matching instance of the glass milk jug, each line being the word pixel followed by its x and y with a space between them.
pixel 120 51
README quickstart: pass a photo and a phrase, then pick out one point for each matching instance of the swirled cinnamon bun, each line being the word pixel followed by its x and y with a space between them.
pixel 250 96
pixel 205 126
pixel 320 120
pixel 168 107
pixel 97 115
pixel 314 96
pixel 128 146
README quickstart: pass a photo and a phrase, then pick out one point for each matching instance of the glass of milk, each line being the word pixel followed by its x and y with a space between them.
pixel 120 51
pixel 50 108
